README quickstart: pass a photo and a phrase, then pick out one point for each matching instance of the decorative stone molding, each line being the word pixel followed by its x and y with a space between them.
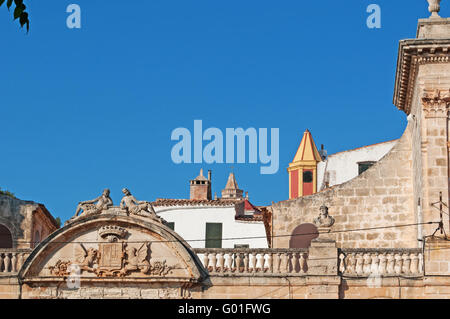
pixel 412 54
pixel 112 233
pixel 435 103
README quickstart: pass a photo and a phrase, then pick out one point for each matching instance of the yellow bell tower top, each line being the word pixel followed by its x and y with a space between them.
pixel 303 169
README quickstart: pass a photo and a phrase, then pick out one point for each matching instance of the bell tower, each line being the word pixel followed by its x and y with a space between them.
pixel 303 169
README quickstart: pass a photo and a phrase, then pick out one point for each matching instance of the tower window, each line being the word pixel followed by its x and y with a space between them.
pixel 307 177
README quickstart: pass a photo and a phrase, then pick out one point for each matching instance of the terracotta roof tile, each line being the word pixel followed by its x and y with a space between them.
pixel 254 217
pixel 194 202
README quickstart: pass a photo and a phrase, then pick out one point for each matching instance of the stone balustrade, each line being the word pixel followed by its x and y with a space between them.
pixel 382 262
pixel 248 261
pixel 11 260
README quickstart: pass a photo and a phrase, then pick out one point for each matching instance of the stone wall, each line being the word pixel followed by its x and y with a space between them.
pixel 381 196
pixel 23 218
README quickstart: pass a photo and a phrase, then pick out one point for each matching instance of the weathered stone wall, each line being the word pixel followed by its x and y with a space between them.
pixel 23 218
pixel 381 196
pixel 123 290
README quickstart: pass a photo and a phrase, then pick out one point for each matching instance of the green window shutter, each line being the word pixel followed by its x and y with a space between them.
pixel 364 166
pixel 213 235
pixel 171 225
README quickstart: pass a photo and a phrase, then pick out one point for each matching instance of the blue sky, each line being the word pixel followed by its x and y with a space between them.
pixel 86 109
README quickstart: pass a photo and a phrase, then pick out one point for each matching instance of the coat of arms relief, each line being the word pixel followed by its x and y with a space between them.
pixel 115 257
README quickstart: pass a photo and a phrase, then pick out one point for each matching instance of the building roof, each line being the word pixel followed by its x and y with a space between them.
pixel 307 151
pixel 231 183
pixel 249 207
pixel 362 147
pixel 250 218
pixel 193 202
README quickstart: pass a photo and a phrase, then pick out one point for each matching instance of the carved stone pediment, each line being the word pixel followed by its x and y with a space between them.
pixel 115 248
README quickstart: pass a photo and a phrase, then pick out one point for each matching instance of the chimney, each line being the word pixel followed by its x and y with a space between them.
pixel 209 175
pixel 200 187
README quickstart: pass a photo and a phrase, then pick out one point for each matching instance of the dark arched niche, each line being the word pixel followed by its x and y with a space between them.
pixel 302 236
pixel 5 237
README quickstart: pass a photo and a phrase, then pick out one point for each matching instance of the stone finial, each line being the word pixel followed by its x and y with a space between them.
pixel 434 6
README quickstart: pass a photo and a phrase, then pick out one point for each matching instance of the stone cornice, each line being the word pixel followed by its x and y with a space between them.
pixel 413 53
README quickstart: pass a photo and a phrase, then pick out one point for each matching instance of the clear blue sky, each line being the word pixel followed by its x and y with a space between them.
pixel 86 109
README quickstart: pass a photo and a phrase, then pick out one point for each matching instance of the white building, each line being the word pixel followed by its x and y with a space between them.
pixel 344 166
pixel 227 222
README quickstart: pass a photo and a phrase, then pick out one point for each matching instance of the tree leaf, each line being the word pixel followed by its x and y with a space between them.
pixel 18 11
pixel 9 3
pixel 23 19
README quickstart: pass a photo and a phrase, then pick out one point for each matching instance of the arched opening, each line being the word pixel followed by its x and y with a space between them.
pixel 303 235
pixel 5 237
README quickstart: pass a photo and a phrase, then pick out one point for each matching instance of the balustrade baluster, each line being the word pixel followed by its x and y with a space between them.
pixel 302 262
pixel 382 265
pixel 228 262
pixel 269 263
pixel 205 260
pixel 7 262
pixel 406 269
pixel 288 263
pixel 20 260
pixel 214 262
pixel 398 264
pixel 14 262
pixel 277 263
pixel 238 262
pixel 246 260
pixel 367 259
pixel 342 263
pixel 390 264
pixel 221 261
pixel 1 262
pixel 374 269
pixel 251 262
pixel 414 263
pixel 295 263
pixel 359 264
pixel 259 262
pixel 352 263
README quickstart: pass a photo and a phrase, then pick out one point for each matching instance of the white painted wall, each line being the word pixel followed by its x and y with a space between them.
pixel 190 223
pixel 343 166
